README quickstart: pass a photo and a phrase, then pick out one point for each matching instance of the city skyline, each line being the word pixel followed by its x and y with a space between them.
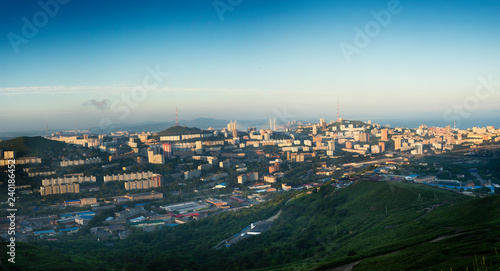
pixel 247 60
pixel 244 125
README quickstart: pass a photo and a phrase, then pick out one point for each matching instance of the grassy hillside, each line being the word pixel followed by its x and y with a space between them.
pixel 32 146
pixel 321 230
pixel 474 246
pixel 38 258
pixel 179 130
pixel 328 229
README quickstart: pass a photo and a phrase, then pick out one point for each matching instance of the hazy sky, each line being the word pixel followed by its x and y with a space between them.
pixel 107 61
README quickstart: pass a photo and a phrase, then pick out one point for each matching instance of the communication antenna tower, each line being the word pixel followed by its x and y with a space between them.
pixel 176 118
pixel 338 111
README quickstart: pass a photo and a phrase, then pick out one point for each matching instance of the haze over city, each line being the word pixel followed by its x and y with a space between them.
pixel 246 61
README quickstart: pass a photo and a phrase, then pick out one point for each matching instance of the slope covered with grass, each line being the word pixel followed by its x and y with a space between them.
pixel 32 146
pixel 321 228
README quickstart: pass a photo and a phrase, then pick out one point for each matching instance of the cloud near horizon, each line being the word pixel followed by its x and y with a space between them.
pixel 101 105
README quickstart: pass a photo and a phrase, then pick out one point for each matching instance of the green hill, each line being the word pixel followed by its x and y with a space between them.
pixel 31 146
pixel 328 229
pixel 179 130
pixel 418 227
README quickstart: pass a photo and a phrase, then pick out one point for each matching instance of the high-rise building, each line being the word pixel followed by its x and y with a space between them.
pixel 348 145
pixel 274 168
pixel 322 123
pixel 253 176
pixel 419 148
pixel 167 150
pixel 314 130
pixel 9 154
pixel 447 130
pixel 381 146
pixel 232 126
pixel 397 143
pixel 364 137
pixel 331 145
pixel 199 147
pixel 384 135
pixel 375 149
pixel 155 155
pixel 242 178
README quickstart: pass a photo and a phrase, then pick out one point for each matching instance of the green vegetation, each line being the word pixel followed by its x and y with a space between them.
pixel 179 130
pixel 32 146
pixel 491 170
pixel 366 219
pixel 187 246
pixel 273 149
pixel 33 257
pixel 322 228
pixel 477 238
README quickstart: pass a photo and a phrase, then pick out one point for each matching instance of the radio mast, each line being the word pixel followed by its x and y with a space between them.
pixel 176 118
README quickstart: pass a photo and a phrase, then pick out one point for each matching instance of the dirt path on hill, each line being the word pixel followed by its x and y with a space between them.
pixel 350 266
pixel 272 218
pixel 347 267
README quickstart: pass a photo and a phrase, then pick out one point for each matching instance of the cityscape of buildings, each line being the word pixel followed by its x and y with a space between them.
pixel 325 132
pixel 247 164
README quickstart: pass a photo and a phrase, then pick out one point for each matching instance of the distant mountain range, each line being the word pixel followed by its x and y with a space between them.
pixel 201 123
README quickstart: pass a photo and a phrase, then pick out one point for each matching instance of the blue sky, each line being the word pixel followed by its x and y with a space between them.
pixel 257 60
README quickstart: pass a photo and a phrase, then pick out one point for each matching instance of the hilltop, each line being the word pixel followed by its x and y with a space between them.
pixel 324 228
pixel 31 146
pixel 179 130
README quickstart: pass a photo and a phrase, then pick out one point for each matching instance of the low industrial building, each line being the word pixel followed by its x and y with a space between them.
pixel 186 207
